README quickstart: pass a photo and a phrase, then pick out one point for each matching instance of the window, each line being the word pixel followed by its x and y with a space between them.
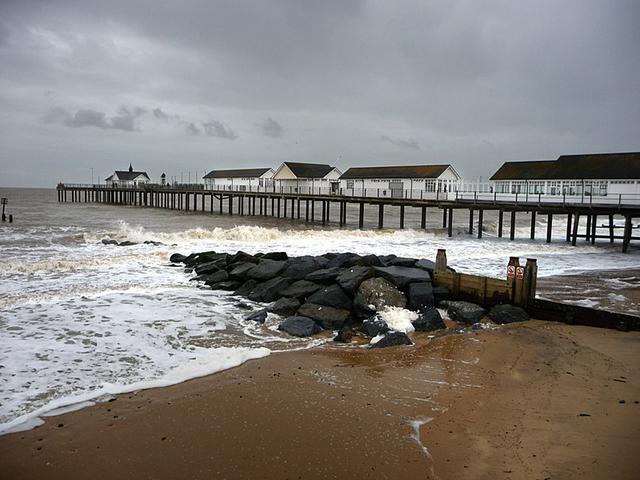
pixel 349 184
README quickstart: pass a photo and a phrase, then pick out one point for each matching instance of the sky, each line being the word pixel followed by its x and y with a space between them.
pixel 185 87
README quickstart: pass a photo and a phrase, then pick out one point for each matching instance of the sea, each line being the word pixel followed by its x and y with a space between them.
pixel 81 321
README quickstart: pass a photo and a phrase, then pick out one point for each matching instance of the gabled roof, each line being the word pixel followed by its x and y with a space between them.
pixel 411 171
pixel 237 173
pixel 309 170
pixel 127 175
pixel 574 167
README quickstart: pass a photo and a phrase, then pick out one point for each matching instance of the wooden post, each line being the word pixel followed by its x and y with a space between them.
pixel 401 216
pixel 298 217
pixel 514 263
pixel 480 222
pixel 587 232
pixel 324 212
pixel 593 229
pixel 361 216
pixel 530 281
pixel 273 206
pixel 328 211
pixel 341 213
pixel 500 222
pixel 423 219
pixel 381 215
pixel 611 229
pixel 285 205
pixel 450 223
pixel 627 234
pixel 512 226
pixel 569 222
pixel 444 218
pixel 471 221
pixel 313 210
pixel 441 260
pixel 574 234
pixel 306 210
pixel 285 208
pixel 549 226
pixel 230 206
pixel 532 235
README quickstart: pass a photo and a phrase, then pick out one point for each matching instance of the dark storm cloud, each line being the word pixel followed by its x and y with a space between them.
pixel 466 82
pixel 215 128
pixel 409 144
pixel 271 128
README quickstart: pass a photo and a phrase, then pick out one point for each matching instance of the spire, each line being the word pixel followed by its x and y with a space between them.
pixel 130 168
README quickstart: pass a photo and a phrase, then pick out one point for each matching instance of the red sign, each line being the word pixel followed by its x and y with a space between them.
pixel 511 271
pixel 519 273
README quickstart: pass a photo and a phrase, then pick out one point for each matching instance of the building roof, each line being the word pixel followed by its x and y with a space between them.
pixel 237 173
pixel 574 167
pixel 127 175
pixel 309 170
pixel 412 171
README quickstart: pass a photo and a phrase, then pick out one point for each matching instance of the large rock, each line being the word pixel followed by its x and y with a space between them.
pixel 280 256
pixel 374 294
pixel 374 326
pixel 215 277
pixel 300 289
pixel 209 267
pixel 341 260
pixel 205 257
pixel 400 262
pixel 403 276
pixel 299 326
pixel 328 318
pixel 366 261
pixel 298 268
pixel 331 296
pixel 465 312
pixel 351 278
pixel 284 306
pixel 175 258
pixel 344 335
pixel 240 270
pixel 324 275
pixel 428 320
pixel 242 257
pixel 392 339
pixel 269 291
pixel 228 285
pixel 420 294
pixel 508 314
pixel 258 316
pixel 246 288
pixel 425 264
pixel 266 270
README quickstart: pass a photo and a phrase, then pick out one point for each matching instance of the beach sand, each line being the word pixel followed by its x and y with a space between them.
pixel 526 401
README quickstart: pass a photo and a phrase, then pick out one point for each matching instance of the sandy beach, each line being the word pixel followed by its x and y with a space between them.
pixel 533 400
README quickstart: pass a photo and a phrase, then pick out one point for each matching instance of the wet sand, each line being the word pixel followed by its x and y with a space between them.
pixel 534 400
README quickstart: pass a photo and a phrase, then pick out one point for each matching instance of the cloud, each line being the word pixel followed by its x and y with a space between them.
pixel 215 128
pixel 125 119
pixel 271 128
pixel 192 129
pixel 409 144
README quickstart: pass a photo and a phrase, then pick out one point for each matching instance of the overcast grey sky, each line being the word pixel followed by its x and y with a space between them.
pixel 195 85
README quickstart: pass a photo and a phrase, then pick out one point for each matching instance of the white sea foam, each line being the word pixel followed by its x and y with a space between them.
pixel 398 319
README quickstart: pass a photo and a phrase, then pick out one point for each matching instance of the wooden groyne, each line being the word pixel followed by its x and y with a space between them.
pixel 582 218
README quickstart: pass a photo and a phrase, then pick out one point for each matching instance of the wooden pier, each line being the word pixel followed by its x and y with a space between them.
pixel 582 219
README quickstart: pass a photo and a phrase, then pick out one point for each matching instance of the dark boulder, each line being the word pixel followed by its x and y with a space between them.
pixel 205 268
pixel 206 257
pixel 331 296
pixel 374 326
pixel 420 294
pixel 106 241
pixel 440 294
pixel 269 291
pixel 344 335
pixel 341 260
pixel 258 316
pixel 246 288
pixel 427 265
pixel 191 260
pixel 374 294
pixel 175 258
pixel 127 243
pixel 392 339
pixel 351 278
pixel 266 270
pixel 366 261
pixel 508 314
pixel 300 289
pixel 299 326
pixel 241 257
pixel 298 268
pixel 228 285
pixel 403 276
pixel 324 275
pixel 284 306
pixel 400 262
pixel 428 320
pixel 465 312
pixel 215 277
pixel 328 318
pixel 280 256
pixel 240 270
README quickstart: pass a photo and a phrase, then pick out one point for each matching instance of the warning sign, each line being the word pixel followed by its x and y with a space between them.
pixel 519 273
pixel 511 271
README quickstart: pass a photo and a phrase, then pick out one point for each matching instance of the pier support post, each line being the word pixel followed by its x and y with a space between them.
pixel 611 228
pixel 361 216
pixel 500 222
pixel 324 212
pixel 279 207
pixel 230 206
pixel 298 216
pixel 549 226
pixel 480 222
pixel 423 218
pixel 284 207
pixel 587 231
pixel 593 229
pixel 533 225
pixel 381 215
pixel 306 210
pixel 341 213
pixel 444 218
pixel 569 222
pixel 450 223
pixel 471 221
pixel 401 216
pixel 627 234
pixel 512 226
pixel 574 233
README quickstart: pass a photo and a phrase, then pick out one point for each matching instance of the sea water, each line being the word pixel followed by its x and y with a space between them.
pixel 80 320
